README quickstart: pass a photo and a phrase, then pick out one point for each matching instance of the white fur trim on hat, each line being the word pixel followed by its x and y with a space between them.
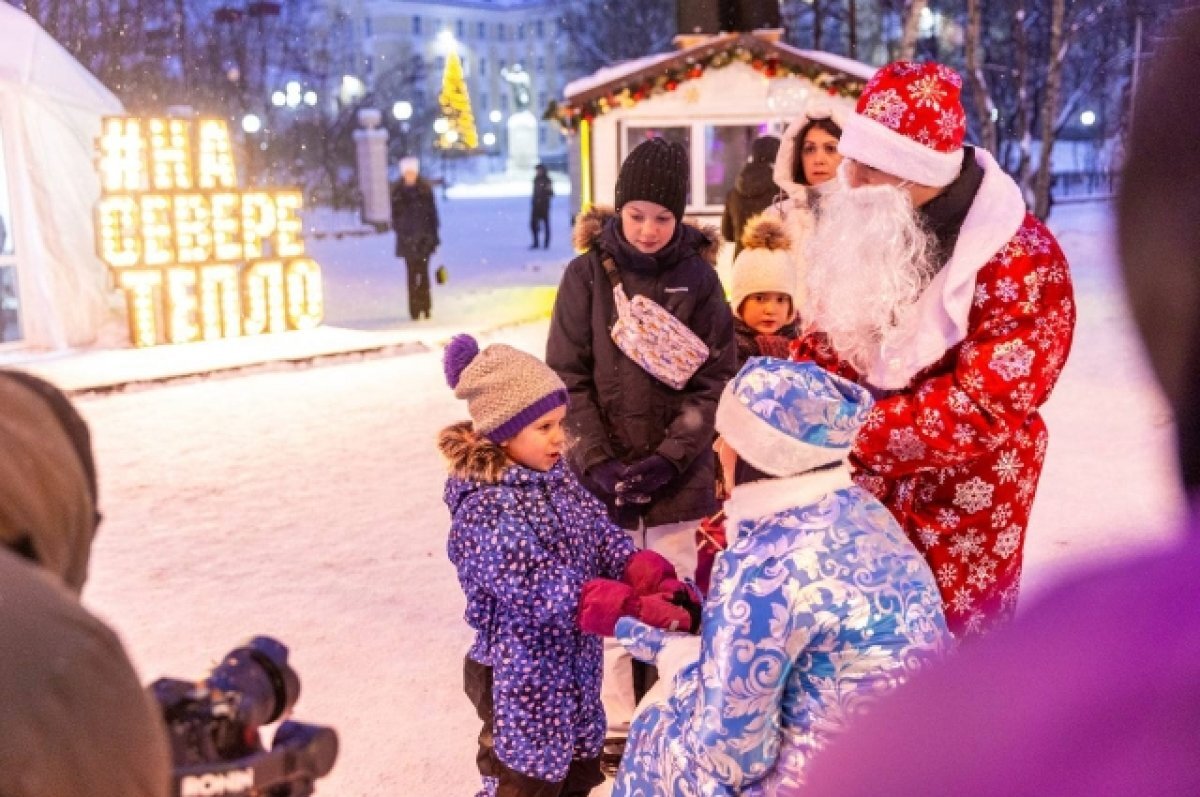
pixel 873 143
pixel 764 446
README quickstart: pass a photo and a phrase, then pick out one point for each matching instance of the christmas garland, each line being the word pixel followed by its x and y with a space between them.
pixel 570 115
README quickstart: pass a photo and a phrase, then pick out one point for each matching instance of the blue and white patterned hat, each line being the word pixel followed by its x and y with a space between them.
pixel 785 418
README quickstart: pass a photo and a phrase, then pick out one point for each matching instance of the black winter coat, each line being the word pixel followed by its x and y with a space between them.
pixel 752 193
pixel 414 219
pixel 616 409
pixel 543 190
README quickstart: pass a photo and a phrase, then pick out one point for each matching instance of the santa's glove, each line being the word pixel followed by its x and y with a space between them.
pixel 607 475
pixel 603 602
pixel 646 477
pixel 773 346
pixel 658 611
pixel 645 570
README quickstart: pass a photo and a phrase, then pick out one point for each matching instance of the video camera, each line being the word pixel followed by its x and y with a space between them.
pixel 214 728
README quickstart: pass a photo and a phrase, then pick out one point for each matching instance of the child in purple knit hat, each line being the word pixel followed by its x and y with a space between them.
pixel 529 542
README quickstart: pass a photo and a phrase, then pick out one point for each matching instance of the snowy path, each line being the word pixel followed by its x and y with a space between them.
pixel 307 504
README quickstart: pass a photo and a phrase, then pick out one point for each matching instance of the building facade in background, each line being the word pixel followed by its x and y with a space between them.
pixel 400 48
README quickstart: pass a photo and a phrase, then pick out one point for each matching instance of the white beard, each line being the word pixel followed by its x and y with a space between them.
pixel 869 259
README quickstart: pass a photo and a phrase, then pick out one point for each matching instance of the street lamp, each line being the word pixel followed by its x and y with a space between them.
pixel 310 98
pixel 251 123
pixel 441 125
pixel 495 117
pixel 489 139
pixel 278 99
pixel 1087 118
pixel 402 110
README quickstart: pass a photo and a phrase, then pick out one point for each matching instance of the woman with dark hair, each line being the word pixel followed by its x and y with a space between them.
pixel 805 168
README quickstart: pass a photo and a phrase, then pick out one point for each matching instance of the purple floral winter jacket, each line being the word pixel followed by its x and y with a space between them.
pixel 524 542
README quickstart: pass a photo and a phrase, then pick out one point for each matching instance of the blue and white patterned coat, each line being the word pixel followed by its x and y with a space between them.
pixel 524 542
pixel 819 604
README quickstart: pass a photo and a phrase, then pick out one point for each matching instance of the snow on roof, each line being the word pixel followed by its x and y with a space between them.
pixel 839 62
pixel 615 72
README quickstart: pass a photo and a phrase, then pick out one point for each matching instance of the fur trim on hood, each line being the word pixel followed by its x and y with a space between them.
pixel 471 455
pixel 590 223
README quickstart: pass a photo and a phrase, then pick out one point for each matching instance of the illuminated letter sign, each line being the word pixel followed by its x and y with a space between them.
pixel 196 258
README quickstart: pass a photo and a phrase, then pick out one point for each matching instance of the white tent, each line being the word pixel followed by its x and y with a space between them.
pixel 50 111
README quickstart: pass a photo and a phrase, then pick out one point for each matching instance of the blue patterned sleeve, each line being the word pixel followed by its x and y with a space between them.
pixel 502 554
pixel 615 547
pixel 644 642
pixel 751 637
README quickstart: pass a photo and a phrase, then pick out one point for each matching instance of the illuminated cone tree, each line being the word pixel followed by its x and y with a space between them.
pixel 460 133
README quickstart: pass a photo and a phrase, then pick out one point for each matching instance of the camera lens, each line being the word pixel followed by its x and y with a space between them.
pixel 257 678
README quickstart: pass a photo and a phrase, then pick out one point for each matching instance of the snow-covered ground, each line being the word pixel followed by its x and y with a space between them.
pixel 306 503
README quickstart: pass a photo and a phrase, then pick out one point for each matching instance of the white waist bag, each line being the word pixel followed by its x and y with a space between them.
pixel 657 341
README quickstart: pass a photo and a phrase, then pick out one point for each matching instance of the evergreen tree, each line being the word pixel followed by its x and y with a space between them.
pixel 456 108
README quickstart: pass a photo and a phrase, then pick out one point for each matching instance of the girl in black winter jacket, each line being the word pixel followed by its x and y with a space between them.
pixel 641 446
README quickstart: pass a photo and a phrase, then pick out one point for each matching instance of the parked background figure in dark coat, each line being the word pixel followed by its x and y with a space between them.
pixel 415 222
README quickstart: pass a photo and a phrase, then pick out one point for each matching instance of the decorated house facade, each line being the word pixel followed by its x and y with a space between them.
pixel 714 94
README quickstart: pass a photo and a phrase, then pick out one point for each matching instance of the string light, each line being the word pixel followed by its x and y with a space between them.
pixel 195 257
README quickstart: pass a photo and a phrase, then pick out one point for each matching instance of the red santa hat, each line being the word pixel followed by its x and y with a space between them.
pixel 909 122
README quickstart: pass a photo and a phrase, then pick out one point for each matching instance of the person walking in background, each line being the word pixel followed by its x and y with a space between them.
pixel 539 217
pixel 641 445
pixel 753 191
pixel 415 222
pixel 932 284
pixel 1094 690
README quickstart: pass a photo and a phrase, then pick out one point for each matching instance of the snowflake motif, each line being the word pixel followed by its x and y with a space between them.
pixel 949 75
pixel 904 491
pixel 975 624
pixel 1025 489
pixel 982 574
pixel 1054 364
pixel 972 380
pixel 1007 467
pixel 1008 598
pixel 1022 397
pixel 967 544
pixel 1040 446
pixel 1012 250
pixel 974 495
pixel 1012 359
pixel 950 124
pixel 1034 241
pixel 1006 290
pixel 1033 287
pixel 887 108
pixel 928 537
pixel 925 493
pixel 947 518
pixel 994 440
pixel 925 390
pixel 924 137
pixel 968 352
pixel 876 485
pixel 981 295
pixel 930 422
pixel 874 420
pixel 958 401
pixel 1008 543
pixel 963 435
pixel 904 445
pixel 962 601
pixel 927 92
pixel 1001 515
pixel 947 574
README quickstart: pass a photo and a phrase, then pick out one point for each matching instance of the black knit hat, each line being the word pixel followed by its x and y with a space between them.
pixel 656 171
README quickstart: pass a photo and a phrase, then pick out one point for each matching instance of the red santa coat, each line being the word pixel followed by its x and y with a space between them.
pixel 955 444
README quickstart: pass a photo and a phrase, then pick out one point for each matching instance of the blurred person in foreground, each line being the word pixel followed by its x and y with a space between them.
pixel 74 719
pixel 930 283
pixel 1095 690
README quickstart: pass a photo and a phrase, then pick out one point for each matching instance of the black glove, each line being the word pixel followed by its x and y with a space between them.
pixel 645 477
pixel 607 475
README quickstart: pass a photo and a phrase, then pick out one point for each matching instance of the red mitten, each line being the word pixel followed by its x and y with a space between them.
pixel 645 570
pixel 658 611
pixel 603 602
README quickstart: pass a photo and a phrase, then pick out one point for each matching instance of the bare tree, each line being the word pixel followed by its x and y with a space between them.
pixel 975 75
pixel 602 32
pixel 912 28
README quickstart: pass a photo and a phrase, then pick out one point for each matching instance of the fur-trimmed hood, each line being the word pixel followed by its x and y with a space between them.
pixel 590 224
pixel 471 456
